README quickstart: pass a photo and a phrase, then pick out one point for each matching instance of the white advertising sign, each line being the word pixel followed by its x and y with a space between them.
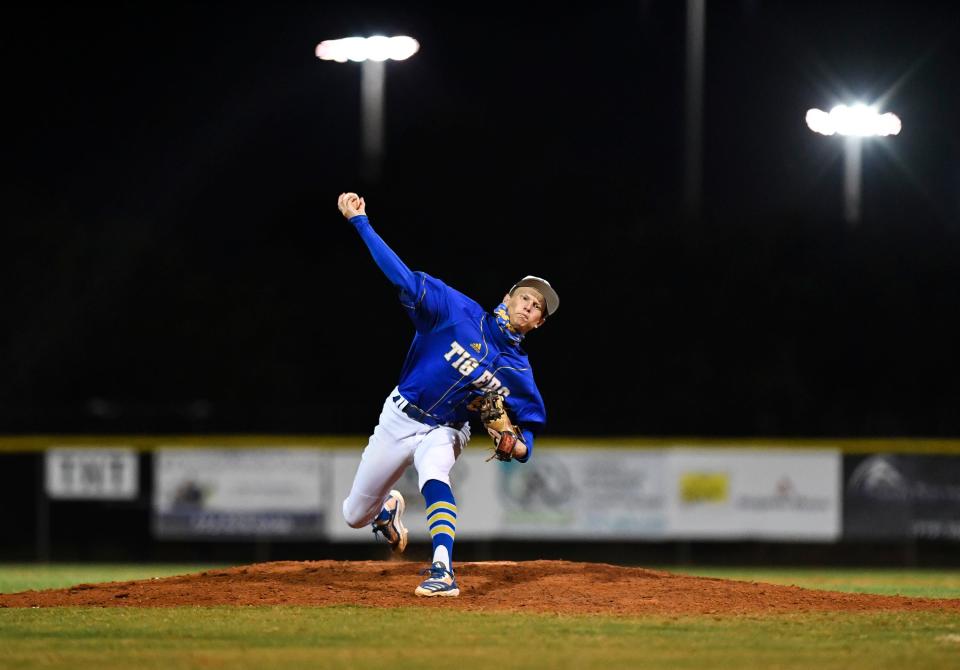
pixel 754 493
pixel 595 493
pixel 77 473
pixel 628 494
pixel 240 493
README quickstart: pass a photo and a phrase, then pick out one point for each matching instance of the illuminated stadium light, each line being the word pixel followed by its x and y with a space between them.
pixel 376 48
pixel 856 121
pixel 372 53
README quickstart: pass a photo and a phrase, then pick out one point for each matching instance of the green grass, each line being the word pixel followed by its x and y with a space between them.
pixel 15 577
pixel 891 582
pixel 296 637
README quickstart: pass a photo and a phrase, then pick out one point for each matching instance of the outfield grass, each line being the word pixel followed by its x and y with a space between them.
pixel 892 582
pixel 357 637
pixel 15 577
pixel 296 637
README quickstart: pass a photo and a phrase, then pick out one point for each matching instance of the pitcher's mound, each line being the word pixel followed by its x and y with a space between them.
pixel 530 586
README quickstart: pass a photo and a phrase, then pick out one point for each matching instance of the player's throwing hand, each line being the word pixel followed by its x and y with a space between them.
pixel 351 205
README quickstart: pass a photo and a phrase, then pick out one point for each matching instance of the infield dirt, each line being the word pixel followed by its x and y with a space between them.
pixel 532 586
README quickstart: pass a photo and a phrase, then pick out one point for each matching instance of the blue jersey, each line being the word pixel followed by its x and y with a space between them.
pixel 458 351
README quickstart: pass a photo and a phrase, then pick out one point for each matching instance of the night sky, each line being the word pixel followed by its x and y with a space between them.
pixel 173 259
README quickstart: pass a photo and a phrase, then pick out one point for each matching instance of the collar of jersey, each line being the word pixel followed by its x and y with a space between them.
pixel 503 321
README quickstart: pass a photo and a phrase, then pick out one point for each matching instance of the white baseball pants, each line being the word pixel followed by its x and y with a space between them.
pixel 397 441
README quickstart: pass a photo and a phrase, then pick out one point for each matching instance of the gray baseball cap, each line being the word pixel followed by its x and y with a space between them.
pixel 543 286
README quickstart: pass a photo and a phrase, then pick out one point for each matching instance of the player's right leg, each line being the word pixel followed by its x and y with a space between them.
pixel 387 454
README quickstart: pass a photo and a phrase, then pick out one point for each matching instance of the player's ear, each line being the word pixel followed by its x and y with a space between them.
pixel 506 296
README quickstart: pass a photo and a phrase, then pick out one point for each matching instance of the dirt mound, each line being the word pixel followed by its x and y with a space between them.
pixel 532 586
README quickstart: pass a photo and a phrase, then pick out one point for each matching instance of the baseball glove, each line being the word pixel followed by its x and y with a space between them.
pixel 495 420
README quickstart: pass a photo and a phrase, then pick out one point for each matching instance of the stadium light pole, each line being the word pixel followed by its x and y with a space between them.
pixel 853 123
pixel 693 120
pixel 372 53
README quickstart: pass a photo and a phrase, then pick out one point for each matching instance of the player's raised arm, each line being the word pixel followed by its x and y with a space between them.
pixel 354 209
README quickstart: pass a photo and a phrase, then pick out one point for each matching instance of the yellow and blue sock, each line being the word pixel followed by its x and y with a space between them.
pixel 441 519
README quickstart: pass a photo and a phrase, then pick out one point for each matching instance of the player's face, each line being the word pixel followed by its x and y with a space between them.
pixel 525 308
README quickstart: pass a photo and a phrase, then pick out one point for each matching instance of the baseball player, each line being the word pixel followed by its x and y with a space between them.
pixel 464 361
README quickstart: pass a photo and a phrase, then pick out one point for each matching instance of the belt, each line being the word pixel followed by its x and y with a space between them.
pixel 418 414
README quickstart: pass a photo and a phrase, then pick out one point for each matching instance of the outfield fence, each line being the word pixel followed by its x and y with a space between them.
pixel 276 489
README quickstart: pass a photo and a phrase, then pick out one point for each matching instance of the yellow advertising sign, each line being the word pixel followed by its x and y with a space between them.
pixel 704 487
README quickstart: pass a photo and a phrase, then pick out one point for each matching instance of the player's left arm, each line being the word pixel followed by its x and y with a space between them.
pixel 510 440
pixel 530 419
pixel 511 443
pixel 524 449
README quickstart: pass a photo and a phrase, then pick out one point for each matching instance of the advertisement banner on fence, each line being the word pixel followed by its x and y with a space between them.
pixel 901 496
pixel 754 493
pixel 639 494
pixel 240 493
pixel 78 473
pixel 560 493
pixel 585 494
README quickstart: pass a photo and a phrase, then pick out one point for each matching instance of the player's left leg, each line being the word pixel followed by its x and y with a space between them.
pixel 434 459
pixel 441 519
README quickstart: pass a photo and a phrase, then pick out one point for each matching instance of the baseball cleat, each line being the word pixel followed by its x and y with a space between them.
pixel 440 582
pixel 391 525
